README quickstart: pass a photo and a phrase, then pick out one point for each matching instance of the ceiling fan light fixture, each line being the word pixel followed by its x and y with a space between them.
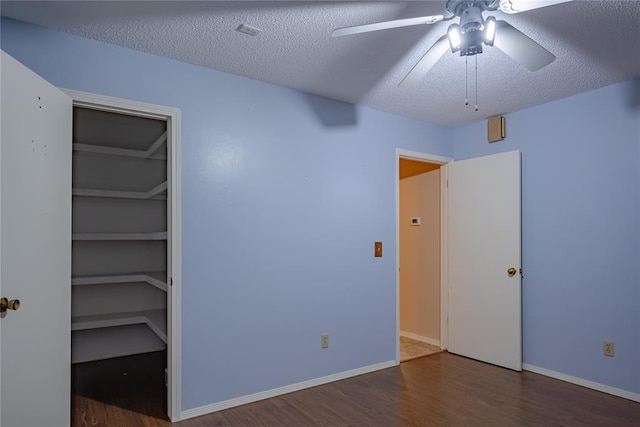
pixel 455 37
pixel 489 31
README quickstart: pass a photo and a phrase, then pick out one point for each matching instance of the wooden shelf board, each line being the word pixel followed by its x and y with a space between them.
pixel 125 152
pixel 107 320
pixel 154 193
pixel 158 279
pixel 96 344
pixel 156 320
pixel 119 152
pixel 160 235
pixel 155 278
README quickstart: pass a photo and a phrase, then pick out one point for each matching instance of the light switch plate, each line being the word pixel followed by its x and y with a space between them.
pixel 377 249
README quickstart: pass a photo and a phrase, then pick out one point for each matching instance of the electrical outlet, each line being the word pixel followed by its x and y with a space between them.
pixel 608 348
pixel 324 341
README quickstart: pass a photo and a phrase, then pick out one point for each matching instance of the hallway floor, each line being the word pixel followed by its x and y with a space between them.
pixel 412 349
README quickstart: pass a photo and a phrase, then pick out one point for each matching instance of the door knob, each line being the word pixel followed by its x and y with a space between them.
pixel 6 304
pixel 512 272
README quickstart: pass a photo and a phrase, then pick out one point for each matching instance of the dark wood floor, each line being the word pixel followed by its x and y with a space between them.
pixel 131 388
pixel 441 389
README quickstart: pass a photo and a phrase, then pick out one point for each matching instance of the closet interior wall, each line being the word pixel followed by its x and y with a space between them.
pixel 119 223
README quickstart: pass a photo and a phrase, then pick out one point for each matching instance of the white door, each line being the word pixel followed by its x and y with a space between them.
pixel 483 238
pixel 35 249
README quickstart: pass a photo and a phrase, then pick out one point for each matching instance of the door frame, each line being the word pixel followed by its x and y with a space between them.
pixel 427 158
pixel 174 259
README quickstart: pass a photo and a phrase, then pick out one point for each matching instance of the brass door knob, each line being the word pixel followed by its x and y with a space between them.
pixel 6 304
pixel 512 272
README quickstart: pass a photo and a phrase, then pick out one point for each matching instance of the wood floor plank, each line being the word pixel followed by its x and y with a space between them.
pixel 438 390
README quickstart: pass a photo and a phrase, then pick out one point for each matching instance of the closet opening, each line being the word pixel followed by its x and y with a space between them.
pixel 121 261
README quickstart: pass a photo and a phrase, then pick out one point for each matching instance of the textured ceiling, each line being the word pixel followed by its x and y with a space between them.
pixel 596 43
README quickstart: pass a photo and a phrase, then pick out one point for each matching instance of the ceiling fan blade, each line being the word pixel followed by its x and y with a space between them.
pixel 516 6
pixel 347 31
pixel 426 62
pixel 520 47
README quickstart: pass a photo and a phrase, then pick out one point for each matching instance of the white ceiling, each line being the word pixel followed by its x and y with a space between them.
pixel 596 43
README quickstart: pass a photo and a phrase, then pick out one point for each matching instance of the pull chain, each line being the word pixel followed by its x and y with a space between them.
pixel 466 80
pixel 476 82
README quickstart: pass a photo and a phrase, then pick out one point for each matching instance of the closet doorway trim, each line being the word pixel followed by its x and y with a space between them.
pixel 172 117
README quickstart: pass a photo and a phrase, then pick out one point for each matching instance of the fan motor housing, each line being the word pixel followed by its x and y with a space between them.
pixel 457 7
pixel 471 20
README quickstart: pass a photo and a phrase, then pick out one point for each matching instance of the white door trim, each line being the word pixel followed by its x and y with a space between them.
pixel 172 117
pixel 431 158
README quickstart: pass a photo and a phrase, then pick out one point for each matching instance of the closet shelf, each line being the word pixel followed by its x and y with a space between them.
pixel 160 235
pixel 97 344
pixel 154 193
pixel 155 319
pixel 125 152
pixel 155 278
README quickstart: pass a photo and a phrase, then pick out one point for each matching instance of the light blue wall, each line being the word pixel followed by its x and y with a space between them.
pixel 280 212
pixel 581 230
pixel 282 202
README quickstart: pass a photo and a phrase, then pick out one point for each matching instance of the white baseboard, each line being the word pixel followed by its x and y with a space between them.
pixel 214 407
pixel 420 338
pixel 582 382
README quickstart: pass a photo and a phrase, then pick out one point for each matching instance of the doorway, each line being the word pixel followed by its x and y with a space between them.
pixel 472 325
pixel 125 256
pixel 419 279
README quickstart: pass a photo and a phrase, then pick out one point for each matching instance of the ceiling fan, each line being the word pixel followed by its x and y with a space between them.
pixel 472 31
